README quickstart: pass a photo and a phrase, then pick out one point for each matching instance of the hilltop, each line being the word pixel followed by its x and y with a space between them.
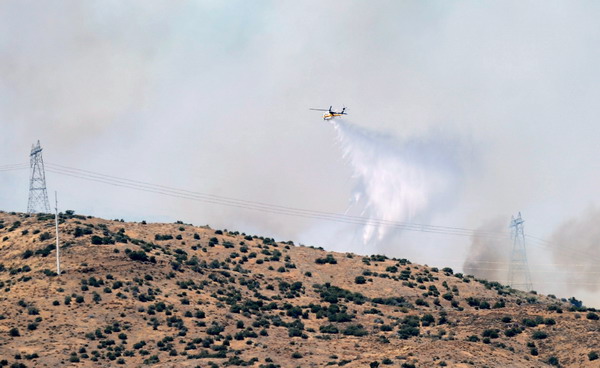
pixel 177 295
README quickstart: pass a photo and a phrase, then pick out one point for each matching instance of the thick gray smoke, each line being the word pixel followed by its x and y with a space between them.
pixel 575 250
pixel 488 254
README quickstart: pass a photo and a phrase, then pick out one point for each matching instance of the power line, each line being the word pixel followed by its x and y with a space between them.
pixel 291 211
pixel 11 167
pixel 259 206
pixel 283 210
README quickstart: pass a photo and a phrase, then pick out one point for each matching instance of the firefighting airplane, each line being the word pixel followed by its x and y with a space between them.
pixel 332 114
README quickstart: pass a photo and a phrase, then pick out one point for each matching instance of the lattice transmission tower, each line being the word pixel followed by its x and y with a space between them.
pixel 518 272
pixel 38 196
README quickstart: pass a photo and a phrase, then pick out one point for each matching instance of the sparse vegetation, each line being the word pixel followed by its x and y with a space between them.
pixel 226 298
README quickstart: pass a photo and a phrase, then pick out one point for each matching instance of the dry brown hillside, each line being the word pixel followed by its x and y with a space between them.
pixel 177 295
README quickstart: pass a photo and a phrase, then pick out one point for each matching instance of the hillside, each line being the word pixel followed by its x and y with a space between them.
pixel 177 295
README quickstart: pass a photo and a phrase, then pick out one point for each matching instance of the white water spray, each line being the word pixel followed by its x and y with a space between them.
pixel 397 180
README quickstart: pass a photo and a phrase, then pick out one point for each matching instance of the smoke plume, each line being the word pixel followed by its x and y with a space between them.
pixel 488 256
pixel 575 245
pixel 397 180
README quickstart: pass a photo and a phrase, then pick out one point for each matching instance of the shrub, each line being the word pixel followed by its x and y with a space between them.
pixel 330 329
pixel 360 280
pixel 592 316
pixel 140 256
pixel 491 333
pixel 407 331
pixel 96 297
pixel 14 332
pixel 215 329
pixel 328 259
pixel 512 332
pixel 355 330
pixel 427 320
pixel 592 355
pixel 553 361
pixel 296 355
pixel 28 253
pixel 539 335
pixel 96 240
pixel 153 359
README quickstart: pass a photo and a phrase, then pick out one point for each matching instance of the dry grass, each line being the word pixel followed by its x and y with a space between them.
pixel 230 285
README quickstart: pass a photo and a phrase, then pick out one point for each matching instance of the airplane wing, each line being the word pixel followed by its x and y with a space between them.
pixel 319 109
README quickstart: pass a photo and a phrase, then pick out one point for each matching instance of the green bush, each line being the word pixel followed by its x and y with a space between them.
pixel 592 355
pixel 330 329
pixel 360 280
pixel 427 320
pixel 407 331
pixel 539 335
pixel 592 316
pixel 512 332
pixel 328 259
pixel 491 333
pixel 140 256
pixel 355 330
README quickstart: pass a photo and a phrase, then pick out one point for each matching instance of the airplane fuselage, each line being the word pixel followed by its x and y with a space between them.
pixel 330 116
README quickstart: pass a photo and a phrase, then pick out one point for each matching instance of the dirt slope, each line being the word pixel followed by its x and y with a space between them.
pixel 176 295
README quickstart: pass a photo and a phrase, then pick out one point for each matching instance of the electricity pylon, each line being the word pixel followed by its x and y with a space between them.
pixel 38 196
pixel 518 272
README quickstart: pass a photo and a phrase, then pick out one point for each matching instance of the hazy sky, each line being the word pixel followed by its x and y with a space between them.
pixel 213 96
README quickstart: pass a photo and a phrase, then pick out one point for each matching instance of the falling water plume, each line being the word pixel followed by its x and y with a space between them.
pixel 397 180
